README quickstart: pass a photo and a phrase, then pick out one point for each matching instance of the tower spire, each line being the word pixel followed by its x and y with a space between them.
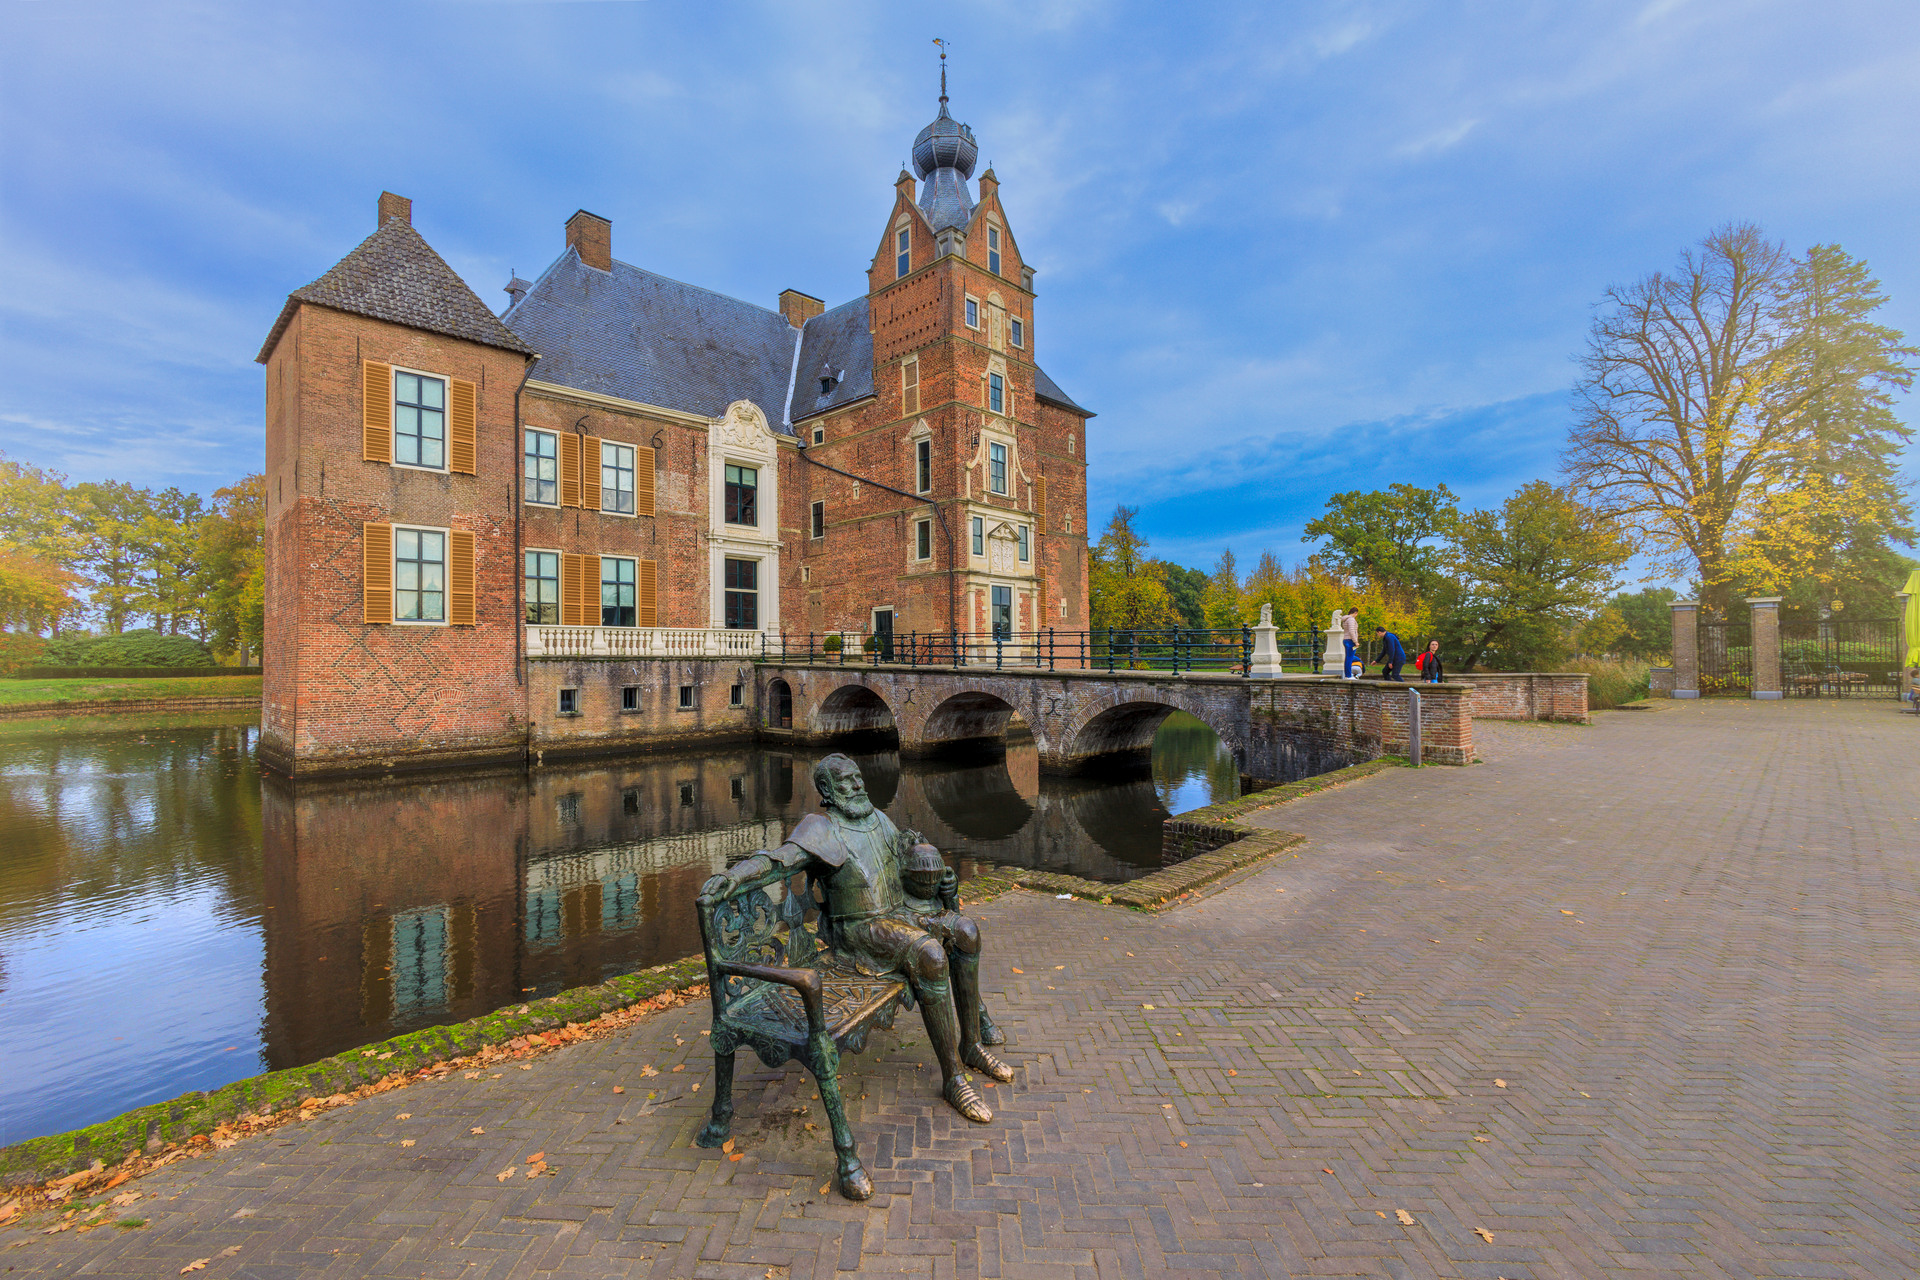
pixel 943 72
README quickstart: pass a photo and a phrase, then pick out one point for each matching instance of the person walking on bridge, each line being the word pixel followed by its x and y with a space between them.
pixel 1392 655
pixel 1428 663
pixel 1350 629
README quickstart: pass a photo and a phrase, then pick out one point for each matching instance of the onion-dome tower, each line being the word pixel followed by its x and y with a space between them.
pixel 943 155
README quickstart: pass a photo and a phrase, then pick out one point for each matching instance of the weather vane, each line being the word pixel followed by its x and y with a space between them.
pixel 943 69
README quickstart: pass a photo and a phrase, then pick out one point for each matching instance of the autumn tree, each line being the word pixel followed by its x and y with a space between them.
pixel 1521 578
pixel 1222 601
pixel 231 564
pixel 1126 589
pixel 1387 538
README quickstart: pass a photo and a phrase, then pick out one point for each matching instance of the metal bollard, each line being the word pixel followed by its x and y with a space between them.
pixel 1413 726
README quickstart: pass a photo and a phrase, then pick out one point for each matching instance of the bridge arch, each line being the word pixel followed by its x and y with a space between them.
pixel 853 710
pixel 1124 724
pixel 972 715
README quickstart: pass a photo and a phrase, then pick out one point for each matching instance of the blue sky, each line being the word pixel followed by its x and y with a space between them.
pixel 1282 249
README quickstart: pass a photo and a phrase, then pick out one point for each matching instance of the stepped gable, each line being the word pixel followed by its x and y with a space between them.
pixel 838 340
pixel 639 336
pixel 395 275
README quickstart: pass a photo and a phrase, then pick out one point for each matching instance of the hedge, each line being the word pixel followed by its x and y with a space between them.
pixel 128 673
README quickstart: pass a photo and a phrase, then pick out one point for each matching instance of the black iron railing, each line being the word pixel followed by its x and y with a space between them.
pixel 1174 649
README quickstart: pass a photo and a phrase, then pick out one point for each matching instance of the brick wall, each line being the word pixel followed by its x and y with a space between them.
pixel 1316 725
pixel 1528 695
pixel 602 724
pixel 1660 682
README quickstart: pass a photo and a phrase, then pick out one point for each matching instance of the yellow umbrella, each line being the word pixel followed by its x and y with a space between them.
pixel 1912 657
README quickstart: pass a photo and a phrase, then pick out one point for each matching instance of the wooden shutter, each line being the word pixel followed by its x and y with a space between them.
pixel 643 481
pixel 590 472
pixel 376 415
pixel 569 469
pixel 376 572
pixel 460 587
pixel 573 577
pixel 647 595
pixel 462 421
pixel 1040 497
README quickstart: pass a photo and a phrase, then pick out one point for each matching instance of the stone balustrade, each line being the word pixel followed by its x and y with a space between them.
pixel 646 642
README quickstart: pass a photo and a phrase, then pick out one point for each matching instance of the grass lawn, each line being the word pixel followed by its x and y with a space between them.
pixel 15 692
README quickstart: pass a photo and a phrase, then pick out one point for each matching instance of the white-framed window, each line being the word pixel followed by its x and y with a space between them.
pixel 910 387
pixel 997 467
pixel 419 420
pixel 996 393
pixel 619 592
pixel 541 468
pixel 993 250
pixel 923 466
pixel 543 588
pixel 973 313
pixel 616 478
pixel 742 495
pixel 979 536
pixel 819 435
pixel 1019 332
pixel 819 515
pixel 923 539
pixel 741 594
pixel 902 252
pixel 419 575
pixel 1026 546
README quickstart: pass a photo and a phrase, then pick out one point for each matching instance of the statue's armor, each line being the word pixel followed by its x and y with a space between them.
pixel 858 860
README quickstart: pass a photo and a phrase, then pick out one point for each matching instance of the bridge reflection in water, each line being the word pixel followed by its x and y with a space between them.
pixel 171 920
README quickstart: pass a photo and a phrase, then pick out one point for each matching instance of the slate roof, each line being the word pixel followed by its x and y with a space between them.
pixel 639 336
pixel 395 275
pixel 838 340
pixel 1047 389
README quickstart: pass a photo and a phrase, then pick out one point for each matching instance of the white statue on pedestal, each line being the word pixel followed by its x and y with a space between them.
pixel 1333 661
pixel 1266 647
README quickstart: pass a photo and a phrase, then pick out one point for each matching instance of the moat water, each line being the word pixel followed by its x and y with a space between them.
pixel 171 919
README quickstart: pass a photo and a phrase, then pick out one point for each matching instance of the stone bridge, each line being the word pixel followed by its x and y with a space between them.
pixel 1278 729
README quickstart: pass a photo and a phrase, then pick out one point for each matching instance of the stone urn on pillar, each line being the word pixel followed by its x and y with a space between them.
pixel 1266 647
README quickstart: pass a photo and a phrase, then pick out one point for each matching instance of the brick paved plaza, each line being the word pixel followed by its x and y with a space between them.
pixel 1709 1066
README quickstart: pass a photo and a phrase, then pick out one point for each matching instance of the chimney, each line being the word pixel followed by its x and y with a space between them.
pixel 904 185
pixel 517 289
pixel 799 307
pixel 591 236
pixel 988 185
pixel 393 206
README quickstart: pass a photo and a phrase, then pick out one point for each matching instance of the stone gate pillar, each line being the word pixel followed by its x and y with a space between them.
pixel 1686 648
pixel 1765 615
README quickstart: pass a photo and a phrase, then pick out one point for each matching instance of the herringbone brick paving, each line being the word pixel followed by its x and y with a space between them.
pixel 1708 1068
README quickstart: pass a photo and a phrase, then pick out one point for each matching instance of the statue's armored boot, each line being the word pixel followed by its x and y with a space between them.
pixel 990 1033
pixel 966 999
pixel 943 1028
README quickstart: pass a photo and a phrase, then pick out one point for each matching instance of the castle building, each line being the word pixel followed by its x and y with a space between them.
pixel 574 525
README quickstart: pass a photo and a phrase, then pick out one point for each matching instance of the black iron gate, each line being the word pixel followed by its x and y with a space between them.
pixel 1836 659
pixel 1726 659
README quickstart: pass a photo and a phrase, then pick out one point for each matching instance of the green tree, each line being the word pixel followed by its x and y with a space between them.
pixel 114 548
pixel 1646 622
pixel 1187 588
pixel 1523 577
pixel 1126 588
pixel 172 581
pixel 1391 539
pixel 1223 604
pixel 231 542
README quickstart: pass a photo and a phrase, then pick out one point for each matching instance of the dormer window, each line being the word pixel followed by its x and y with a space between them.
pixel 1019 333
pixel 996 393
pixel 826 385
pixel 993 250
pixel 902 252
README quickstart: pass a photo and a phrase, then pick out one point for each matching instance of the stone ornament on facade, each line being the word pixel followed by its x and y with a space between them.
pixel 745 427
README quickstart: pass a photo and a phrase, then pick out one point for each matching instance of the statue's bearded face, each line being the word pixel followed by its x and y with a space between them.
pixel 847 792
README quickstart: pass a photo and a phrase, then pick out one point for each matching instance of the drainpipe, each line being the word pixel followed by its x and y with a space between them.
pixel 945 532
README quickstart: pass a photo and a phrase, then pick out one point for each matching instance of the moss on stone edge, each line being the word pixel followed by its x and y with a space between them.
pixel 40 1159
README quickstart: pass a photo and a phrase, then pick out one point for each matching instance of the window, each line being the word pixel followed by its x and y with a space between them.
pixel 742 487
pixel 686 788
pixel 997 468
pixel 543 588
pixel 910 387
pixel 742 594
pixel 979 536
pixel 923 539
pixel 618 605
pixel 736 697
pixel 737 787
pixel 1019 333
pixel 923 466
pixel 1003 613
pixel 902 252
pixel 1025 546
pixel 630 802
pixel 973 313
pixel 993 250
pixel 542 469
pixel 616 477
pixel 686 704
pixel 630 697
pixel 819 519
pixel 419 420
pixel 819 435
pixel 996 394
pixel 569 702
pixel 419 575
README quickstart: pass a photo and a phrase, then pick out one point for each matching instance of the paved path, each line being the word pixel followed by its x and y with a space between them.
pixel 1709 1066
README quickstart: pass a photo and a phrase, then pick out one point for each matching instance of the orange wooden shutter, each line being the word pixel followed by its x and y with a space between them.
pixel 647 596
pixel 376 414
pixel 1040 497
pixel 376 572
pixel 569 469
pixel 643 481
pixel 590 472
pixel 460 587
pixel 573 572
pixel 462 421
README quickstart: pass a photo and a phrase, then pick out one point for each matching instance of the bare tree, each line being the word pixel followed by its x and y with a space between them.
pixel 1689 408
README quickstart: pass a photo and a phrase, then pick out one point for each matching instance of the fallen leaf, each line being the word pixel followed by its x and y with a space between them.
pixel 1565 912
pixel 1481 1137
pixel 120 1201
pixel 1146 1006
pixel 198 1264
pixel 823 1191
pixel 1019 970
pixel 1183 1144
pixel 404 1115
pixel 230 1250
pixel 734 1157
pixel 1484 1234
pixel 1585 1094
pixel 504 1174
pixel 473 1075
pixel 538 1157
pixel 524 1067
pixel 476 1129
pixel 1406 1219
pixel 1059 966
pixel 619 1089
pixel 648 1070
pixel 1379 1213
pixel 406 1142
pixel 681 1067
pixel 1326 1171
pixel 1499 1084
pixel 696 1086
pixel 1232 1072
pixel 727 1145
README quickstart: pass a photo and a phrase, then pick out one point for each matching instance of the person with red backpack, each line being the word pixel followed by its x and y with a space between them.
pixel 1428 663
